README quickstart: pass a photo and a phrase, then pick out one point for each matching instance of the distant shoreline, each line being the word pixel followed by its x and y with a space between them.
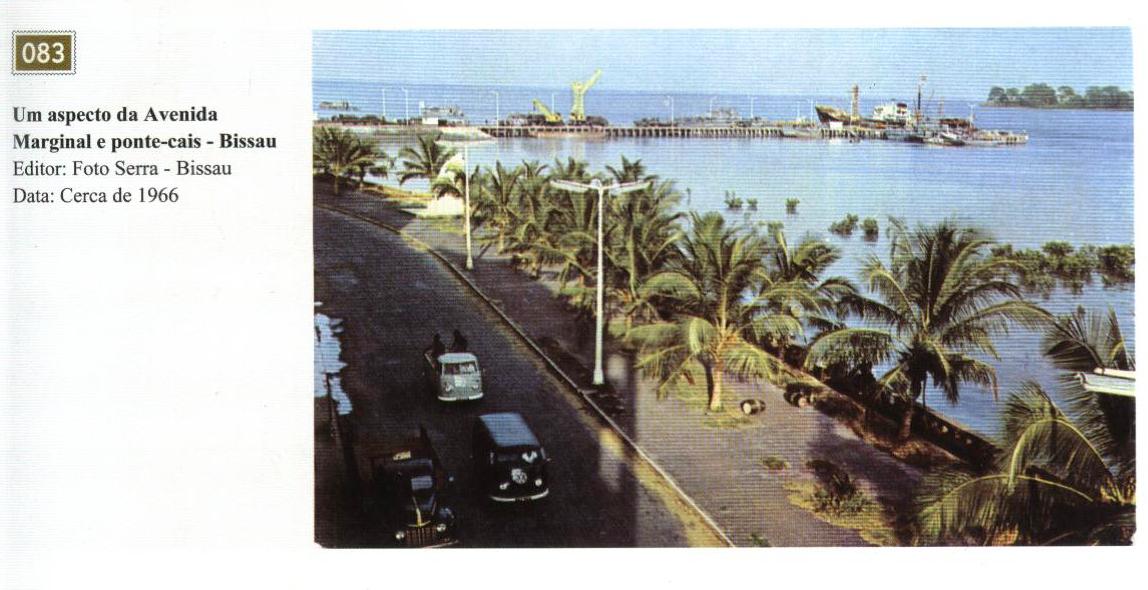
pixel 1053 107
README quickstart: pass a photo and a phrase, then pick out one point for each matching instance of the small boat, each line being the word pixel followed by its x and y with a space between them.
pixel 945 138
pixel 337 105
pixel 987 138
pixel 800 133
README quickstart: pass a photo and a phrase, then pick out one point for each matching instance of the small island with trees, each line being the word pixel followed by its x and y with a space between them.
pixel 1043 96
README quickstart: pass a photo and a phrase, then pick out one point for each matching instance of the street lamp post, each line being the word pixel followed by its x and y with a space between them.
pixel 497 111
pixel 384 104
pixel 465 145
pixel 618 189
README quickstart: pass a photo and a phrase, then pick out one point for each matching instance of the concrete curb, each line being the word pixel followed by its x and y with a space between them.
pixel 706 518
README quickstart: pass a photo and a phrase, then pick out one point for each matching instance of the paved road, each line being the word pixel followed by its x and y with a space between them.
pixel 392 298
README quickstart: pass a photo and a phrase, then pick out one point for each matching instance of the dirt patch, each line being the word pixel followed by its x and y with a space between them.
pixel 880 432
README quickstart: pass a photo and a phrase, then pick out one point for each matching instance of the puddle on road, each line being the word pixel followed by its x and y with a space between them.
pixel 327 363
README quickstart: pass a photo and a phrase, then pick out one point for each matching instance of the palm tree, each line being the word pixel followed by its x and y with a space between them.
pixel 425 161
pixel 715 308
pixel 381 168
pixel 533 169
pixel 939 300
pixel 1067 477
pixel 342 154
pixel 644 229
pixel 530 241
pixel 497 201
pixel 804 264
pixel 571 169
pixel 453 182
pixel 1081 342
pixel 572 243
pixel 630 171
pixel 1053 486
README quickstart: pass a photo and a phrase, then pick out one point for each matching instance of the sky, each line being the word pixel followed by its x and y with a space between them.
pixel 959 63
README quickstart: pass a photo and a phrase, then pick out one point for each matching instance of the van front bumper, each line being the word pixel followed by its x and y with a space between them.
pixel 537 496
pixel 460 398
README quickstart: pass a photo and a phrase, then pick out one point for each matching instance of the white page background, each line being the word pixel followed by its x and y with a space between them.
pixel 156 396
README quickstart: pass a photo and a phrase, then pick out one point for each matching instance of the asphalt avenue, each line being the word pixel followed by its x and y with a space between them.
pixel 392 298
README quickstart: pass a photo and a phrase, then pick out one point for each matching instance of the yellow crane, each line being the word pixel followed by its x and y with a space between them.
pixel 551 116
pixel 579 89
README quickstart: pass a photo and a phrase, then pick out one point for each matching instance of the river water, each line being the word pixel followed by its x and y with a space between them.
pixel 1073 181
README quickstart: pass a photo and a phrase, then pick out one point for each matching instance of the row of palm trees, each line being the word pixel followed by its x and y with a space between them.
pixel 696 292
pixel 345 156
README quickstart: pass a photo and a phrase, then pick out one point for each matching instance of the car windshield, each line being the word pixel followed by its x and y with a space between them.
pixel 422 483
pixel 467 368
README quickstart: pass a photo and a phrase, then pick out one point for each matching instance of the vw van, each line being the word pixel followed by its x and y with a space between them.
pixel 510 463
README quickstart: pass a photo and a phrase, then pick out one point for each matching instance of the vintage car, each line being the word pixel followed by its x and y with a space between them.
pixel 406 489
pixel 454 376
pixel 510 464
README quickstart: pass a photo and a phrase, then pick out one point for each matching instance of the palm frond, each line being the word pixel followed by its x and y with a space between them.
pixel 746 360
pixel 850 345
pixel 1041 436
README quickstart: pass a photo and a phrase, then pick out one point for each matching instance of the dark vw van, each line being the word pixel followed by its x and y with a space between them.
pixel 509 462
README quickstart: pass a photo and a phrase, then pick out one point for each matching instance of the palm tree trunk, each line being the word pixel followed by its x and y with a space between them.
pixel 714 381
pixel 917 388
pixel 906 423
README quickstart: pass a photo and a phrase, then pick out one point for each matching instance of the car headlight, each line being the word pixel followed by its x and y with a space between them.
pixel 538 482
pixel 504 485
pixel 400 535
pixel 440 527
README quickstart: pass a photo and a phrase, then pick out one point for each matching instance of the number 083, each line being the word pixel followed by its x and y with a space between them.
pixel 47 52
pixel 43 53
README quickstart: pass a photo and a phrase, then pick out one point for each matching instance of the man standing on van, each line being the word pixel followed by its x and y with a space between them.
pixel 437 348
pixel 459 344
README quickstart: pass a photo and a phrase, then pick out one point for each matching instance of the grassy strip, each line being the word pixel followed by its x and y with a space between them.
pixel 397 196
pixel 862 514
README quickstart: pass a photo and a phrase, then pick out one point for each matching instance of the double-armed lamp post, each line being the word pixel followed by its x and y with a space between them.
pixel 617 189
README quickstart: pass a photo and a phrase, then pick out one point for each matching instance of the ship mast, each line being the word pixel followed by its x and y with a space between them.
pixel 855 115
pixel 920 87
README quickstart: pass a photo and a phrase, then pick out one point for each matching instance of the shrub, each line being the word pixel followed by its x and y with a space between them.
pixel 732 201
pixel 752 204
pixel 1057 249
pixel 1002 251
pixel 837 491
pixel 1116 262
pixel 775 463
pixel 871 229
pixel 846 226
pixel 791 206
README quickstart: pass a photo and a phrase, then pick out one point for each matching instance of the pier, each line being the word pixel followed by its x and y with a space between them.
pixel 619 132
